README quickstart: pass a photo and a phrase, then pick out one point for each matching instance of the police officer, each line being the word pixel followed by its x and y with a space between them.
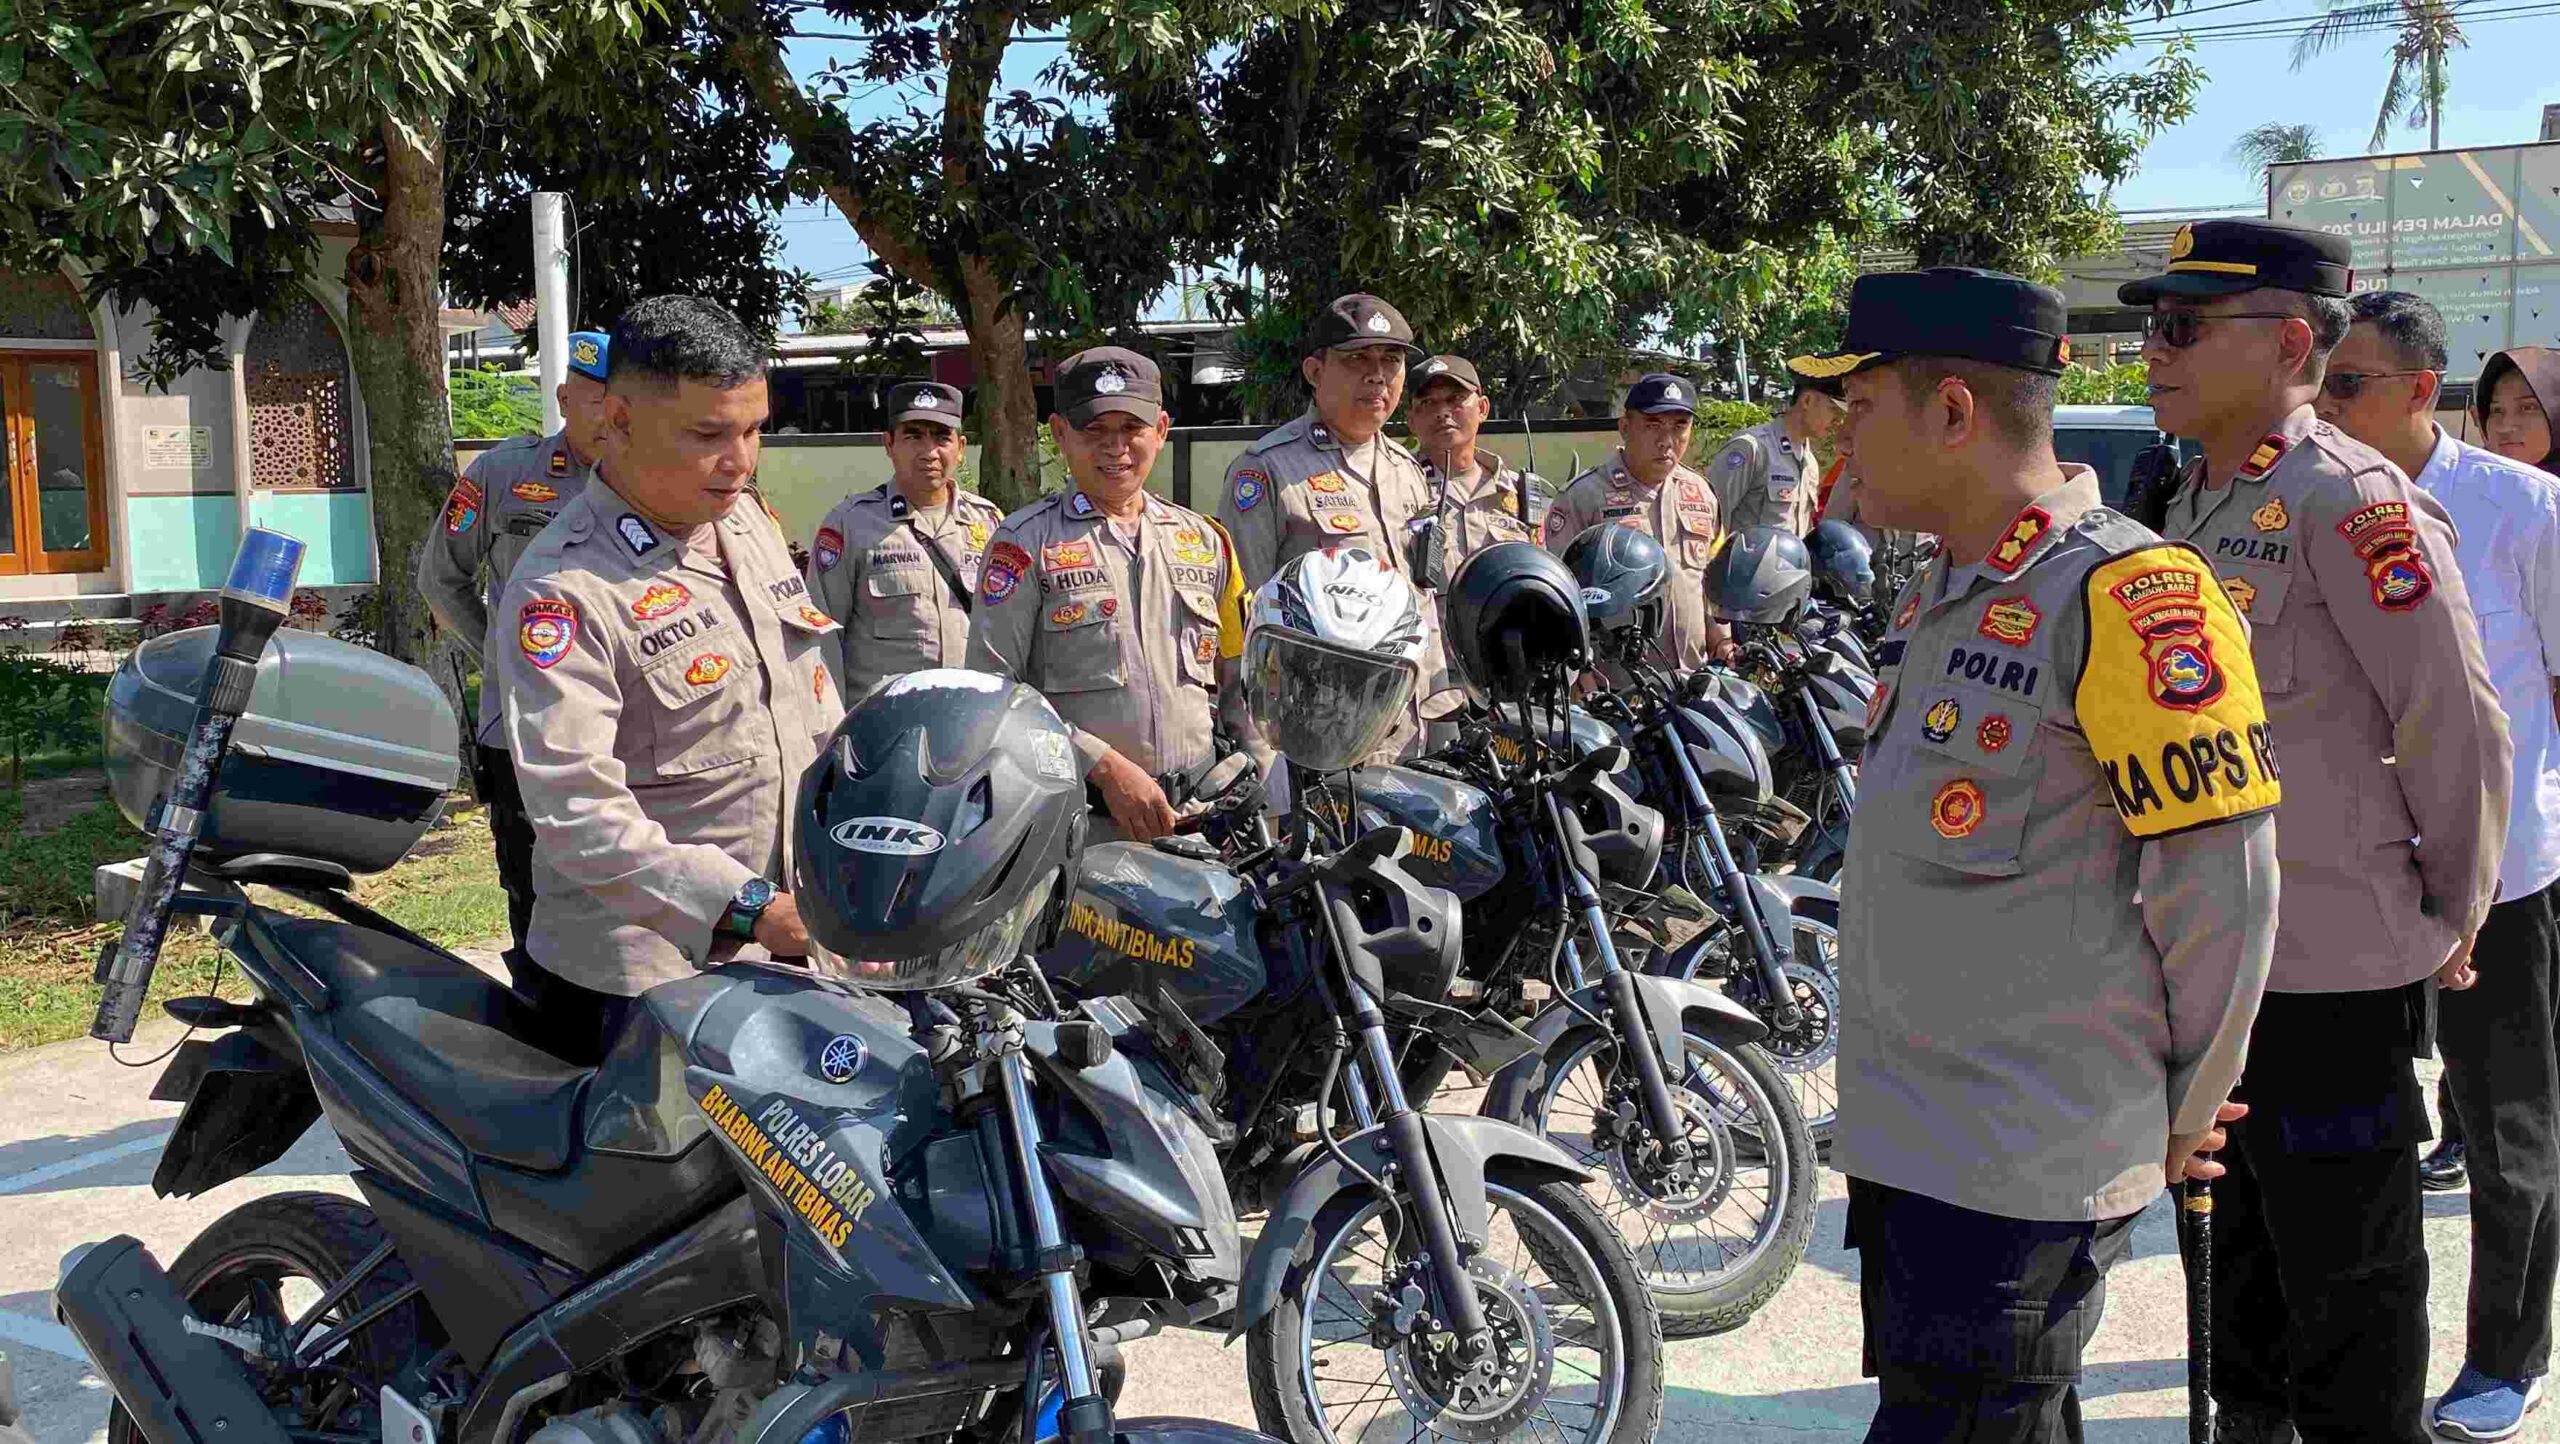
pixel 1767 475
pixel 1478 497
pixel 1123 609
pixel 2060 897
pixel 1333 477
pixel 2383 706
pixel 509 494
pixel 665 681
pixel 1645 485
pixel 898 564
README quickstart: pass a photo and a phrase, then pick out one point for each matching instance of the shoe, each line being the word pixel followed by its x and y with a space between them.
pixel 2481 1409
pixel 2445 1168
pixel 2251 1426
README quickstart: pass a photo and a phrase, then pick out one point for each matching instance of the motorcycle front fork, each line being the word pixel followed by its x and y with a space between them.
pixel 1844 779
pixel 1087 1415
pixel 1715 858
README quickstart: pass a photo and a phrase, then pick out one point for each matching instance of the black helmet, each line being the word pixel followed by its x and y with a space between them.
pixel 1623 572
pixel 936 828
pixel 1843 564
pixel 1761 574
pixel 1514 586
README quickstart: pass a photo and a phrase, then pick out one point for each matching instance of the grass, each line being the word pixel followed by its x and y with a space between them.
pixel 446 889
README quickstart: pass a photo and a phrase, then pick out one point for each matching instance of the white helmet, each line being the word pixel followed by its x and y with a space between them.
pixel 1332 653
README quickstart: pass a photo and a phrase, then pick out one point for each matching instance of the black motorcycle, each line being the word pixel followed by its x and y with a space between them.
pixel 1804 689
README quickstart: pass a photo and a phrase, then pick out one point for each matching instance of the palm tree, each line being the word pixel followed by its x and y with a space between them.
pixel 2426 29
pixel 2273 144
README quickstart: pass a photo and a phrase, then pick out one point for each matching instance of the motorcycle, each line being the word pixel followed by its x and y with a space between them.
pixel 779 1211
pixel 1804 690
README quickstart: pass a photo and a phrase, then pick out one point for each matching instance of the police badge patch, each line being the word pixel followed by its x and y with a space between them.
pixel 829 549
pixel 545 628
pixel 462 508
pixel 1249 488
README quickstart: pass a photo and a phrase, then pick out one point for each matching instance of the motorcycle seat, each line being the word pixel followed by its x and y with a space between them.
pixel 448 1037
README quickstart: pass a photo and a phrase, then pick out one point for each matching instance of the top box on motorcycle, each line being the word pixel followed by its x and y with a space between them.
pixel 344 755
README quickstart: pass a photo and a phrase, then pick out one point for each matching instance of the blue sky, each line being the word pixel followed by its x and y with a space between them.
pixel 2500 85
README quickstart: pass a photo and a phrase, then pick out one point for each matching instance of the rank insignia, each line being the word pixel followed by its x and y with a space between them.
pixel 2011 553
pixel 2012 620
pixel 977 536
pixel 707 669
pixel 1068 615
pixel 559 466
pixel 1343 521
pixel 1941 720
pixel 2243 594
pixel 1910 609
pixel 2272 516
pixel 462 508
pixel 2261 459
pixel 1005 565
pixel 1192 547
pixel 661 599
pixel 899 506
pixel 829 549
pixel 1067 555
pixel 545 628
pixel 635 534
pixel 1079 505
pixel 1957 809
pixel 534 491
pixel 1993 734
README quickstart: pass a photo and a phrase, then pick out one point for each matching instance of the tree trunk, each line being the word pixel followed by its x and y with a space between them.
pixel 395 307
pixel 1007 423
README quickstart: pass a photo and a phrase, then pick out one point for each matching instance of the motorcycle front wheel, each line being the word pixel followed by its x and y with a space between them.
pixel 1352 1353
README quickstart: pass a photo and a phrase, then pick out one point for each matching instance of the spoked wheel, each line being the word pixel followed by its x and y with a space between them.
pixel 1808 1054
pixel 1718 1232
pixel 263 1268
pixel 1353 1352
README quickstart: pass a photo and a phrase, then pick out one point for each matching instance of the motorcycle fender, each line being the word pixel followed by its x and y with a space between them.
pixel 1789 889
pixel 246 1104
pixel 1672 1006
pixel 1461 1147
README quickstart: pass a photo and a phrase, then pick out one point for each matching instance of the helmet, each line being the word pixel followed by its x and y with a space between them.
pixel 1622 572
pixel 1761 574
pixel 1843 564
pixel 1507 588
pixel 936 827
pixel 1332 653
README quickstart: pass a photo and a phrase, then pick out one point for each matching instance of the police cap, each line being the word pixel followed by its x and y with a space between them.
pixel 925 401
pixel 2224 258
pixel 587 352
pixel 1447 368
pixel 1359 319
pixel 1657 392
pixel 1953 311
pixel 1108 378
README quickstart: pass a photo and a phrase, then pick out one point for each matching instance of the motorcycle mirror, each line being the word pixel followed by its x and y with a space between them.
pixel 1224 777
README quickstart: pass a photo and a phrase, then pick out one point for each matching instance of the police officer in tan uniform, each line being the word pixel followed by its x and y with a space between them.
pixel 898 564
pixel 1644 484
pixel 1478 497
pixel 2391 833
pixel 509 494
pixel 2060 897
pixel 1766 475
pixel 1333 477
pixel 665 680
pixel 1121 608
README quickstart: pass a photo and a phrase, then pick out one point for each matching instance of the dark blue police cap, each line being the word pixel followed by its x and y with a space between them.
pixel 1953 311
pixel 1656 392
pixel 2224 258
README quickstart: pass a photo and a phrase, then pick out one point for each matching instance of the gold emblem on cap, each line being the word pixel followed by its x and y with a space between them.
pixel 2183 243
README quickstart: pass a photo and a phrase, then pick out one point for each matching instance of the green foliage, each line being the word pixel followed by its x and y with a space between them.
pixel 2274 143
pixel 2125 384
pixel 494 403
pixel 46 705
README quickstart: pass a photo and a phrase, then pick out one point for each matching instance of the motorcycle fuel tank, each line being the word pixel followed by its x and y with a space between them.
pixel 1455 843
pixel 1141 919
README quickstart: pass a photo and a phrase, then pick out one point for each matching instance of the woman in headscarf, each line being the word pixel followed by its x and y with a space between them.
pixel 2518 395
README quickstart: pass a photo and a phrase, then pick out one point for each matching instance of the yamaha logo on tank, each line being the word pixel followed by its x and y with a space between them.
pixel 889 836
pixel 841 1058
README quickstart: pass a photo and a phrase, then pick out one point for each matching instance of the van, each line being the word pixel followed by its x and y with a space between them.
pixel 2106 439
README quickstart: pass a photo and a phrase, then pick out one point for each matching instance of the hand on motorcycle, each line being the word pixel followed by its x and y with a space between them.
pixel 1137 803
pixel 779 929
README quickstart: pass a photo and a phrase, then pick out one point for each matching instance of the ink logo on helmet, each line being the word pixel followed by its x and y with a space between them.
pixel 841 1058
pixel 545 628
pixel 886 837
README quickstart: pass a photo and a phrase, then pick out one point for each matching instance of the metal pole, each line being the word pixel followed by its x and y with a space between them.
pixel 550 302
pixel 2196 1201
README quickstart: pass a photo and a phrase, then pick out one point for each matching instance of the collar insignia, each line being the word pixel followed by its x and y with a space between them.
pixel 2011 553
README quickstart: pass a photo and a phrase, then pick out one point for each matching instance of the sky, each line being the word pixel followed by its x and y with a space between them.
pixel 2500 85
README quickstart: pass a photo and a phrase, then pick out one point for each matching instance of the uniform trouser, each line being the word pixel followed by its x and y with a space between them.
pixel 1975 1323
pixel 574 1024
pixel 2497 1045
pixel 2320 1270
pixel 512 831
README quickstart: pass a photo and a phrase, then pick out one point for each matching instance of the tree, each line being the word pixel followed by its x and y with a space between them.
pixel 494 403
pixel 180 154
pixel 2423 30
pixel 2263 147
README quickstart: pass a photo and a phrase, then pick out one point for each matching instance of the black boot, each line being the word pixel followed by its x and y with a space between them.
pixel 2443 1169
pixel 2249 1426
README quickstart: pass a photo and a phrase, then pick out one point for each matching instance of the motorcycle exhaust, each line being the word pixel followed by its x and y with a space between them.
pixel 165 1365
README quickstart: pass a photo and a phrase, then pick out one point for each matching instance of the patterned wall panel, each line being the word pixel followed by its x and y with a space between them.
pixel 42 308
pixel 301 433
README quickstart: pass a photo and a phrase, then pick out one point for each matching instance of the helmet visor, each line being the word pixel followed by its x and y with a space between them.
pixel 1323 707
pixel 971 958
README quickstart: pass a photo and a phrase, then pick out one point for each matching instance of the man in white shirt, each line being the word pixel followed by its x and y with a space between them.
pixel 2495 1031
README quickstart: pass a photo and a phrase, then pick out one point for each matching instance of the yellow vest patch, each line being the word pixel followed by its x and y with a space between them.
pixel 2169 696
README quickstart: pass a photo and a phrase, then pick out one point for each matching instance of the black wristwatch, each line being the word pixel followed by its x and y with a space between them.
pixel 752 899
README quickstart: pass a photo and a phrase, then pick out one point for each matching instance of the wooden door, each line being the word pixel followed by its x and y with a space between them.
pixel 56 519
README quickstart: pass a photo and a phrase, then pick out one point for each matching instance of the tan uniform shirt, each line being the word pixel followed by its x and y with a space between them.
pixel 2060 897
pixel 509 494
pixel 1681 514
pixel 1497 504
pixel 2368 651
pixel 1125 646
pixel 1762 478
pixel 662 704
pixel 1296 490
pixel 869 569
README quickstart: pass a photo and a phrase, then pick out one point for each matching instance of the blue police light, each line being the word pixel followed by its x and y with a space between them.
pixel 263 570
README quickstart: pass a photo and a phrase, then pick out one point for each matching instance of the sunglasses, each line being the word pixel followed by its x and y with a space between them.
pixel 2182 329
pixel 2348 385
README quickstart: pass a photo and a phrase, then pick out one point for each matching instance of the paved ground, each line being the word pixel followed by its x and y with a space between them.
pixel 79 1138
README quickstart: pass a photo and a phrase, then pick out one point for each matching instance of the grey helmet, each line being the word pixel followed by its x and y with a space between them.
pixel 1624 575
pixel 1761 574
pixel 1843 563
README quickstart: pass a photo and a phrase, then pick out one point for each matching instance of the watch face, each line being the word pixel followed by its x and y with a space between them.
pixel 756 893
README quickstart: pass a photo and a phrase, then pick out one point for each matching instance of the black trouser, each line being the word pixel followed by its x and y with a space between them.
pixel 2497 1044
pixel 512 831
pixel 1974 1322
pixel 573 1024
pixel 2320 1270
